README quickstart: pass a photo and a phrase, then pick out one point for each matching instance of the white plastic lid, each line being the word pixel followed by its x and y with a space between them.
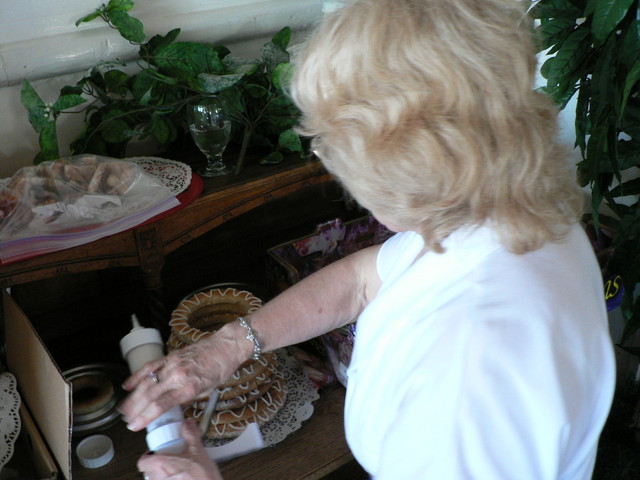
pixel 139 336
pixel 166 439
pixel 95 451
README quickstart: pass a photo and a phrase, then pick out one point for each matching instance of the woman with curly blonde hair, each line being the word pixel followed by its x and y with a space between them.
pixel 436 124
pixel 482 347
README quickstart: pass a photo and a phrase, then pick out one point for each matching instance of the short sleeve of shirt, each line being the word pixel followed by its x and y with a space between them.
pixel 397 254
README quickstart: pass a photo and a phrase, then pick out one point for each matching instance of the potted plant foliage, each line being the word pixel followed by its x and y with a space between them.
pixel 121 107
pixel 593 49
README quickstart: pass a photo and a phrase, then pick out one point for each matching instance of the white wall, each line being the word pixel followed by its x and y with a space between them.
pixel 40 42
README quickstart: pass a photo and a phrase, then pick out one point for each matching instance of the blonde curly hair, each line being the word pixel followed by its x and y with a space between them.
pixel 425 111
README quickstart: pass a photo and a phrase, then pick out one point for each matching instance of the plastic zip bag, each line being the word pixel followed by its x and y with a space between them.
pixel 68 202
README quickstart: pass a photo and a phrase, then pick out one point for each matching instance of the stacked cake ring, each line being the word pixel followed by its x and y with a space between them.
pixel 257 390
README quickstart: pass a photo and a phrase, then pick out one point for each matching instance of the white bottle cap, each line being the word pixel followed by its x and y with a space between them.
pixel 138 337
pixel 95 451
pixel 166 439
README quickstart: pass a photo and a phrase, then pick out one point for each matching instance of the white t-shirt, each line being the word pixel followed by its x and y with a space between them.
pixel 481 364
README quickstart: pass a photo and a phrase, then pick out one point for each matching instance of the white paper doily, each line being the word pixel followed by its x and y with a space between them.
pixel 9 416
pixel 297 408
pixel 176 176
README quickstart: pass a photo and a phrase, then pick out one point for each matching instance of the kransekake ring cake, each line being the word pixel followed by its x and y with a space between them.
pixel 252 394
pixel 230 423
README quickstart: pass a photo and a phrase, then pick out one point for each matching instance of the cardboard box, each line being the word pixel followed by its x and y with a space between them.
pixel 45 394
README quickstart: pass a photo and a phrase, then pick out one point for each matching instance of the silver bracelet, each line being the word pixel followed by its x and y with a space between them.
pixel 251 335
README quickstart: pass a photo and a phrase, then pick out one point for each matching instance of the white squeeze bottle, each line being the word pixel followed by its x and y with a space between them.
pixel 139 346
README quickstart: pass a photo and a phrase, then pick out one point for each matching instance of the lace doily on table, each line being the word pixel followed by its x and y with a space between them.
pixel 176 176
pixel 9 416
pixel 297 408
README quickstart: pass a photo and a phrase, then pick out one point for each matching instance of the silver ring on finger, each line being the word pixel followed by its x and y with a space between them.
pixel 154 377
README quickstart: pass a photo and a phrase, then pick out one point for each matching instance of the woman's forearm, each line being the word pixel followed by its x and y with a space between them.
pixel 321 302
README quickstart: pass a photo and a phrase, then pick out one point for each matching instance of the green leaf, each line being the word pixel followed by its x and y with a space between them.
pixel 214 83
pixel 555 30
pixel 142 87
pixel 631 187
pixel 72 89
pixel 607 14
pixel 630 120
pixel 632 79
pixel 129 27
pixel 67 101
pixel 290 140
pixel 241 65
pixel 87 18
pixel 39 117
pixel 630 51
pixel 233 100
pixel 187 60
pixel 272 55
pixel 117 130
pixel 29 97
pixel 582 112
pixel 597 152
pixel 603 88
pixel 566 67
pixel 119 5
pixel 49 142
pixel 113 125
pixel 222 51
pixel 282 76
pixel 628 154
pixel 116 82
pixel 276 123
pixel 38 113
pixel 246 70
pixel 256 91
pixel 161 130
pixel 39 158
pixel 158 42
pixel 166 79
pixel 272 159
pixel 282 38
pixel 555 8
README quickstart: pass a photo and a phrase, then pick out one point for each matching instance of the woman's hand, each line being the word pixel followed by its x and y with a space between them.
pixel 183 376
pixel 192 464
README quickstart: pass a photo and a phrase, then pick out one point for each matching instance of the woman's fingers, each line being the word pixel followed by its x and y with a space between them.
pixel 180 377
pixel 192 436
pixel 192 464
pixel 151 398
pixel 161 467
pixel 136 377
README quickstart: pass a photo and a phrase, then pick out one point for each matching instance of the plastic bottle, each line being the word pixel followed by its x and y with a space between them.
pixel 139 346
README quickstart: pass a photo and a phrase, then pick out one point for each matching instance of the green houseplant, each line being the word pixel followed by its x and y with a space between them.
pixel 593 49
pixel 121 107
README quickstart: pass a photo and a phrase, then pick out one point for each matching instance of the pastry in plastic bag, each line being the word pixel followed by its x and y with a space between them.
pixel 70 201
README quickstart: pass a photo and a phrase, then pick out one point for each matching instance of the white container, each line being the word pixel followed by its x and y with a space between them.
pixel 139 346
pixel 95 451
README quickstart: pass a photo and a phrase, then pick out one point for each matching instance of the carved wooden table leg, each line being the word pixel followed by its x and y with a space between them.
pixel 151 257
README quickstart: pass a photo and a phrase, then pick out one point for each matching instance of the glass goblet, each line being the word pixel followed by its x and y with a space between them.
pixel 210 127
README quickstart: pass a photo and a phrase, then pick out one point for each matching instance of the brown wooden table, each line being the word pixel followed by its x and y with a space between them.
pixel 310 453
pixel 222 199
